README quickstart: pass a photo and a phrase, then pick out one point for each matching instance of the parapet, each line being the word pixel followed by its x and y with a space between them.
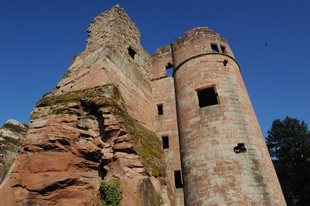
pixel 197 42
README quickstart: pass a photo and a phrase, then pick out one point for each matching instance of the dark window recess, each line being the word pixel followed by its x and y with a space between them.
pixel 223 49
pixel 160 109
pixel 207 97
pixel 169 69
pixel 225 62
pixel 240 148
pixel 214 48
pixel 131 52
pixel 165 140
pixel 178 179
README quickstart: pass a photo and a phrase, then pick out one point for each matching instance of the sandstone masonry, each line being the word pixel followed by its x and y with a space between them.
pixel 175 128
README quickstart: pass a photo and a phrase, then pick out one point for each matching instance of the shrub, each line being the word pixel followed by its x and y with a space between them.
pixel 110 193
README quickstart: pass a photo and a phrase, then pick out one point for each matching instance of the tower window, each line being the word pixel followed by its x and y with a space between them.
pixel 240 148
pixel 165 140
pixel 214 48
pixel 207 97
pixel 169 69
pixel 178 179
pixel 160 109
pixel 131 52
pixel 223 49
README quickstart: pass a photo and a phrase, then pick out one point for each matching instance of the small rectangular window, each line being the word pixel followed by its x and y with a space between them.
pixel 178 179
pixel 207 97
pixel 160 109
pixel 165 140
pixel 223 49
pixel 169 70
pixel 131 52
pixel 214 48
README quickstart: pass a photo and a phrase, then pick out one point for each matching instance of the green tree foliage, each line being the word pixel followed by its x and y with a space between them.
pixel 288 142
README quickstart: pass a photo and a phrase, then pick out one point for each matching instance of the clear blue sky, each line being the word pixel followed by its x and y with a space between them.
pixel 270 40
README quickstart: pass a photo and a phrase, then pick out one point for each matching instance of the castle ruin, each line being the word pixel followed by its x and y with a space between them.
pixel 190 93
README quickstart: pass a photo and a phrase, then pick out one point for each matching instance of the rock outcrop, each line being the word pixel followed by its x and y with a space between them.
pixel 12 135
pixel 79 140
pixel 91 140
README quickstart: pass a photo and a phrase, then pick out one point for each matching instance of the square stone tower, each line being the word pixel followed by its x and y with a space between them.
pixel 100 120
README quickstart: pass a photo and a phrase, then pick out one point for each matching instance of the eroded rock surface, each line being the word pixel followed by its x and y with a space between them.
pixel 81 134
pixel 79 139
pixel 12 135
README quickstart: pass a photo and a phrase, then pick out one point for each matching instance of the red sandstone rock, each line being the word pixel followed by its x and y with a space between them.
pixel 84 133
pixel 61 162
pixel 12 134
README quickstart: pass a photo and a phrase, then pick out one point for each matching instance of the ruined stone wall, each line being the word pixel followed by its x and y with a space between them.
pixel 87 131
pixel 197 42
pixel 224 156
pixel 107 59
pixel 98 124
pixel 160 61
pixel 165 124
pixel 77 141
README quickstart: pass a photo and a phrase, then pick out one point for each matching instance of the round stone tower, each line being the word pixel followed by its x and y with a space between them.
pixel 225 160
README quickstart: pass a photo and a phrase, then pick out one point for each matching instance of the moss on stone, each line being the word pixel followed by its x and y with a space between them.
pixel 16 128
pixel 103 92
pixel 13 142
pixel 146 143
pixel 149 194
pixel 105 95
pixel 6 166
pixel 148 147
